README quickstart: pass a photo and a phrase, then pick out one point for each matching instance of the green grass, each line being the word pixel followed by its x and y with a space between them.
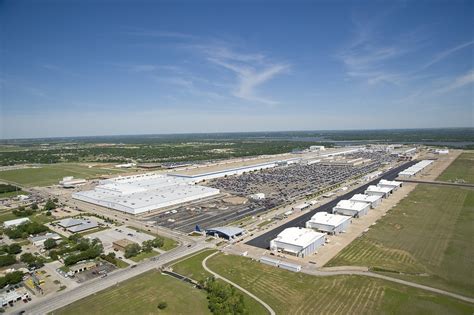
pixel 427 236
pixel 141 295
pixel 144 255
pixel 168 242
pixel 461 169
pixel 11 194
pixel 52 173
pixel 7 216
pixel 297 293
pixel 121 264
pixel 192 268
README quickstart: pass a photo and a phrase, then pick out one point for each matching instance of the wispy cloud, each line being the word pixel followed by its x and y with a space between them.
pixel 445 54
pixel 459 82
pixel 158 33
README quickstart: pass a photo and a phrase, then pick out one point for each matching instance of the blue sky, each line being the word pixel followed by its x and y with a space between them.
pixel 71 68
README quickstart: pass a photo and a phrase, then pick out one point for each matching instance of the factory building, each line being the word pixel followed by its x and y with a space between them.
pixel 351 208
pixel 297 241
pixel 372 190
pixel 373 200
pixel 143 193
pixel 328 222
pixel 394 185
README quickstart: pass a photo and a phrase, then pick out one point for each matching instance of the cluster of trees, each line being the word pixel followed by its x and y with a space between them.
pixel 7 260
pixel 26 212
pixel 14 249
pixel 11 278
pixel 132 250
pixel 224 298
pixel 32 261
pixel 147 246
pixel 25 229
pixel 4 188
pixel 50 204
pixel 88 250
pixel 110 257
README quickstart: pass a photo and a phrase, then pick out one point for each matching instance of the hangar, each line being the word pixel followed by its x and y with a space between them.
pixel 415 169
pixel 373 200
pixel 378 191
pixel 352 208
pixel 394 185
pixel 143 193
pixel 227 232
pixel 297 241
pixel 328 222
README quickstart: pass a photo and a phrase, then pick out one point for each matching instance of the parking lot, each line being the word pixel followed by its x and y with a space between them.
pixel 107 237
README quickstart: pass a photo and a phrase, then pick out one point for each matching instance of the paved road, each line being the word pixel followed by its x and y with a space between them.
pixel 350 271
pixel 44 305
pixel 433 182
pixel 263 241
pixel 217 276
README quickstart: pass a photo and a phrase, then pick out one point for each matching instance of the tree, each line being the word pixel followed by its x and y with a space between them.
pixel 49 243
pixel 162 305
pixel 158 242
pixel 132 250
pixel 34 206
pixel 7 260
pixel 147 246
pixel 14 248
pixel 49 205
pixel 28 258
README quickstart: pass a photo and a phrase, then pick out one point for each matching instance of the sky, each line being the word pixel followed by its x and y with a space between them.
pixel 83 68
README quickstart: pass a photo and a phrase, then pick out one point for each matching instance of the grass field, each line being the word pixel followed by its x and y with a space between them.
pixel 144 255
pixel 427 236
pixel 11 194
pixel 52 174
pixel 192 268
pixel 461 169
pixel 141 295
pixel 296 293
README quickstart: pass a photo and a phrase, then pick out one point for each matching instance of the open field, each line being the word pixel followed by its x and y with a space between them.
pixel 192 268
pixel 461 169
pixel 427 236
pixel 52 174
pixel 141 295
pixel 144 255
pixel 11 194
pixel 297 293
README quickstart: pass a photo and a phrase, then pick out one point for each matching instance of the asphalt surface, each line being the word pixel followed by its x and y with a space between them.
pixel 263 241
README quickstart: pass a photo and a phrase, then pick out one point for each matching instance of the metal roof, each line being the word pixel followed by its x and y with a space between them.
pixel 227 230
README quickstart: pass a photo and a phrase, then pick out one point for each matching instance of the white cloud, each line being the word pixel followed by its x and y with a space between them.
pixel 442 55
pixel 459 82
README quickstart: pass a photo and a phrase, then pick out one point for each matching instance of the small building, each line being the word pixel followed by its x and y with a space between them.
pixel 126 165
pixel 394 185
pixel 269 261
pixel 77 225
pixel 257 196
pixel 227 232
pixel 317 148
pixel 352 208
pixel 289 266
pixel 373 200
pixel 16 222
pixel 81 267
pixel 40 239
pixel 66 223
pixel 301 206
pixel 122 244
pixel 299 242
pixel 71 182
pixel 13 296
pixel 441 151
pixel 378 191
pixel 328 222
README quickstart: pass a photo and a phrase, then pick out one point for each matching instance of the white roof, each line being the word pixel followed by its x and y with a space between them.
pixel 352 205
pixel 16 222
pixel 302 206
pixel 82 227
pixel 44 237
pixel 70 222
pixel 329 219
pixel 379 189
pixel 390 183
pixel 298 236
pixel 365 198
pixel 412 170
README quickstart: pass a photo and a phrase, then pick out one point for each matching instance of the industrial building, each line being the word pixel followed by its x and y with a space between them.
pixel 373 200
pixel 77 225
pixel 71 182
pixel 227 232
pixel 328 222
pixel 16 222
pixel 143 193
pixel 351 208
pixel 372 190
pixel 415 169
pixel 122 244
pixel 40 239
pixel 394 185
pixel 297 241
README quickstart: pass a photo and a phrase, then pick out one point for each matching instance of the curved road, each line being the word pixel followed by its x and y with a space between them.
pixel 270 310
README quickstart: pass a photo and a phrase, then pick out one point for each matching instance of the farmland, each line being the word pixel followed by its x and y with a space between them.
pixel 426 238
pixel 462 169
pixel 297 293
pixel 52 174
pixel 141 295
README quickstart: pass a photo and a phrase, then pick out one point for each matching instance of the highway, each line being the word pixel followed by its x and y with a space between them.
pixel 47 304
pixel 263 241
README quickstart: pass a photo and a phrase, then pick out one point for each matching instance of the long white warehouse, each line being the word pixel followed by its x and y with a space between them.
pixel 352 208
pixel 373 200
pixel 141 193
pixel 415 169
pixel 297 241
pixel 328 222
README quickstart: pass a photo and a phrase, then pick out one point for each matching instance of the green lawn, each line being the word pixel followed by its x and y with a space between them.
pixel 192 268
pixel 52 173
pixel 141 295
pixel 7 216
pixel 427 236
pixel 11 194
pixel 461 169
pixel 144 255
pixel 297 293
